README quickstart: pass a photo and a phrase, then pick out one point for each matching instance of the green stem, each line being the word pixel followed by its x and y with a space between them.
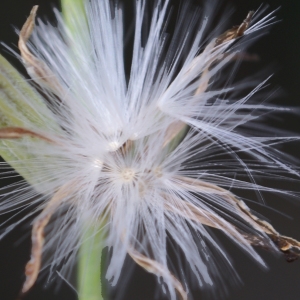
pixel 89 265
pixel 73 10
pixel 89 268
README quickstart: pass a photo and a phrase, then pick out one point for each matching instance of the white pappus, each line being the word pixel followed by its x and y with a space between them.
pixel 151 154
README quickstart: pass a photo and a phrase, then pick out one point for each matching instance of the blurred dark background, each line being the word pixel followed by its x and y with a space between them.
pixel 279 50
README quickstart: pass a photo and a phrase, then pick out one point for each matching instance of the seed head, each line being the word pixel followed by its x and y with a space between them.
pixel 152 154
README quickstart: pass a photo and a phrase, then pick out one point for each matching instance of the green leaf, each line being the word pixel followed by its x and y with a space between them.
pixel 20 106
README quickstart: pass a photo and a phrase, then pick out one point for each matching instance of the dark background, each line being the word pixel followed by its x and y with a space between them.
pixel 280 50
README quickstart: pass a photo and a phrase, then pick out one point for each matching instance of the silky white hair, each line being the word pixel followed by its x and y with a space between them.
pixel 111 150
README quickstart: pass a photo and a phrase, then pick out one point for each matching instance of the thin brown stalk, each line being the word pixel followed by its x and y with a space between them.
pixel 19 132
pixel 231 34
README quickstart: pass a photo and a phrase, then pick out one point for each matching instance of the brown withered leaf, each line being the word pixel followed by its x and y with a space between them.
pixel 191 212
pixel 157 269
pixel 37 69
pixel 285 244
pixel 236 31
pixel 37 236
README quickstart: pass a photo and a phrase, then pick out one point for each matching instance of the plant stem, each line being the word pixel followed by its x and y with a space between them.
pixel 89 265
pixel 89 268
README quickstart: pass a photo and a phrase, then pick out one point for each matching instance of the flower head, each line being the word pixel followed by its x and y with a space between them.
pixel 151 154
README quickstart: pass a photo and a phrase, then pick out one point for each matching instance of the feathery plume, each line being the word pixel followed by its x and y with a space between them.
pixel 151 154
